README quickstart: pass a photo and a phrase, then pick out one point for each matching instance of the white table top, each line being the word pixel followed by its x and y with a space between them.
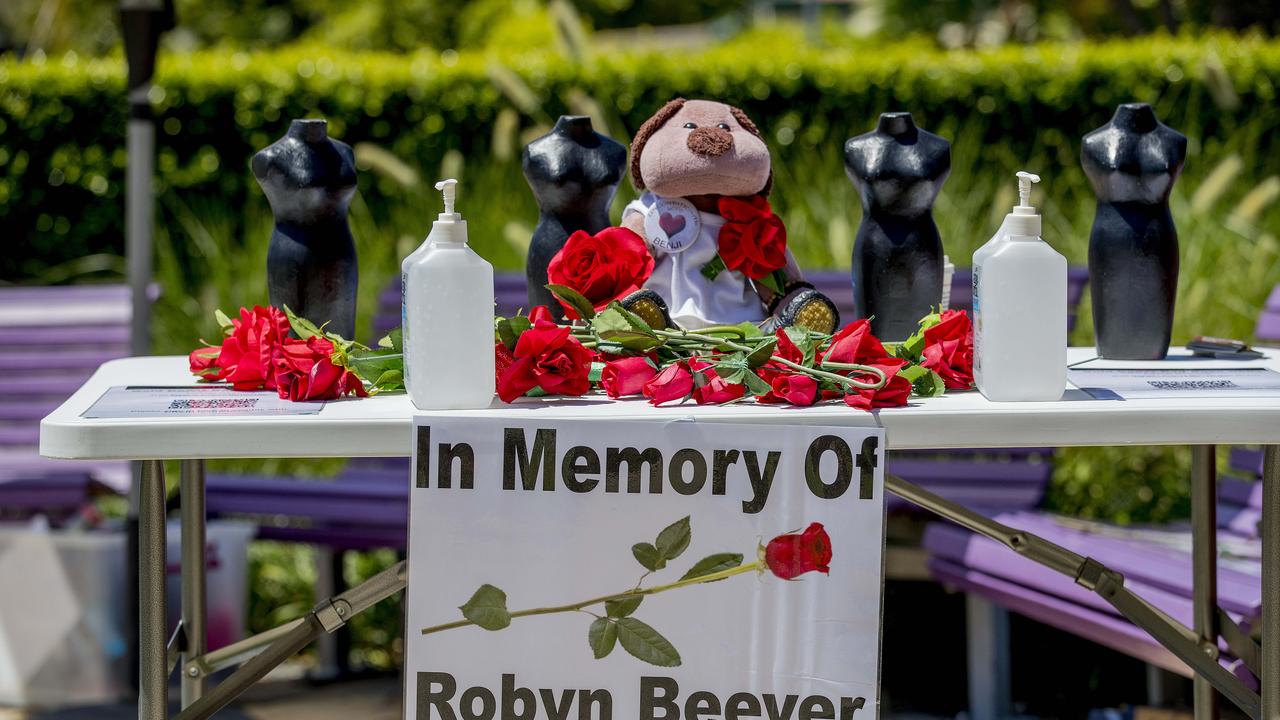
pixel 380 426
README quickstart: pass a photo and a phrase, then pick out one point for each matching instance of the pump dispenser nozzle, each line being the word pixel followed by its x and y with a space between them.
pixel 449 227
pixel 1024 221
pixel 450 190
pixel 1024 187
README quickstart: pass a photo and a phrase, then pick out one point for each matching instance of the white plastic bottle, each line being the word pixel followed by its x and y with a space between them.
pixel 448 323
pixel 1020 309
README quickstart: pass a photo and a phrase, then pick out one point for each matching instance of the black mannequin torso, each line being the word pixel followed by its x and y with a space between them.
pixel 1132 163
pixel 898 170
pixel 573 172
pixel 309 180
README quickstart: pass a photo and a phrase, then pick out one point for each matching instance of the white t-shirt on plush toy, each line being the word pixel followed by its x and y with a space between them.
pixel 683 240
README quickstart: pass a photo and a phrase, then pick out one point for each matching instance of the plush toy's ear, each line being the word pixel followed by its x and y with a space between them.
pixel 646 131
pixel 750 127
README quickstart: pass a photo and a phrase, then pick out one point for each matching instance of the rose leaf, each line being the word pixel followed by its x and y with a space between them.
pixel 646 644
pixel 648 557
pixel 487 608
pixel 674 538
pixel 602 636
pixel 574 299
pixel 713 564
pixel 623 607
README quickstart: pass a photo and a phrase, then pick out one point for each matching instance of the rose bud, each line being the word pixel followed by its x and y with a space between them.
pixel 717 392
pixel 203 362
pixel 790 556
pixel 795 389
pixel 626 376
pixel 675 382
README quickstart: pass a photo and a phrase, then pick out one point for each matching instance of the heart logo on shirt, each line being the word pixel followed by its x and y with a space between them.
pixel 671 224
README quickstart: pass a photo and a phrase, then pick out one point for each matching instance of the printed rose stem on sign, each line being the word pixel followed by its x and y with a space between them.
pixel 787 556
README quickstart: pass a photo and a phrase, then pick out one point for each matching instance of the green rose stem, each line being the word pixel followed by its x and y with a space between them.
pixel 867 369
pixel 757 566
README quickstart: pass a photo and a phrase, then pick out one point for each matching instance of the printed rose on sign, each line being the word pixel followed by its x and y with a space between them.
pixel 787 556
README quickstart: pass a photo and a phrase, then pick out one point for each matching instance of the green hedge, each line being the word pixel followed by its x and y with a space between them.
pixel 62 120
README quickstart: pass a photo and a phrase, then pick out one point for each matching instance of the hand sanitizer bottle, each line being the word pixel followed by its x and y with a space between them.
pixel 448 323
pixel 1020 309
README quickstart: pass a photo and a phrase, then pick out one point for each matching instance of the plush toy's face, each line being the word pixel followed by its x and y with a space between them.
pixel 700 147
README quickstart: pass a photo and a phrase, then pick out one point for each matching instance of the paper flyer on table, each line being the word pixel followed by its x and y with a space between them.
pixel 1176 382
pixel 598 570
pixel 193 401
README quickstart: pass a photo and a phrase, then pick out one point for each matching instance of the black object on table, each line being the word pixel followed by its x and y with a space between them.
pixel 1133 162
pixel 898 170
pixel 309 179
pixel 573 172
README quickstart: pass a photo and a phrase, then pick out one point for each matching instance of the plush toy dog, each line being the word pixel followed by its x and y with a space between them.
pixel 720 253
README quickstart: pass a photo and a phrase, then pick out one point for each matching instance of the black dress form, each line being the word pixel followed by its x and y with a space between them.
pixel 573 172
pixel 1132 163
pixel 898 170
pixel 309 179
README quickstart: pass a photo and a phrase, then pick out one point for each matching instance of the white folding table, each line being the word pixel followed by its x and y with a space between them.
pixel 381 427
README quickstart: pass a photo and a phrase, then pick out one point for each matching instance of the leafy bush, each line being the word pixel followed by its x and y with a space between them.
pixel 62 121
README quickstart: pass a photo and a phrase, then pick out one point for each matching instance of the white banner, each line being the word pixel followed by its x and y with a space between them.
pixel 574 570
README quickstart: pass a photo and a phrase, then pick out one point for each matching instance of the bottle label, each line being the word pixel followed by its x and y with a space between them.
pixel 977 321
pixel 404 325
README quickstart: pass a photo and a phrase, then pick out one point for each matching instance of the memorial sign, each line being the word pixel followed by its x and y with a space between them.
pixel 649 570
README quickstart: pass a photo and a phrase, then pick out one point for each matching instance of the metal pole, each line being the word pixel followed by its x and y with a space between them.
pixel 1204 569
pixel 152 643
pixel 1270 680
pixel 194 565
pixel 140 216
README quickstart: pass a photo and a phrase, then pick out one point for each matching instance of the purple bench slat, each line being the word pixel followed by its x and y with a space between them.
pixel 1240 520
pixel 338 538
pixel 1246 461
pixel 1268 327
pixel 66 294
pixel 29 410
pixel 1247 493
pixel 968 471
pixel 1159 567
pixel 1102 628
pixel 19 435
pixel 60 386
pixel 112 336
pixel 60 359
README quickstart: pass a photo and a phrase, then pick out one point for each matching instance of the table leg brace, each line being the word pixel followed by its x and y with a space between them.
pixel 1090 574
pixel 327 616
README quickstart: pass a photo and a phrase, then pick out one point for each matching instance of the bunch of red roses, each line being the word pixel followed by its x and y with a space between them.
pixel 615 350
pixel 258 354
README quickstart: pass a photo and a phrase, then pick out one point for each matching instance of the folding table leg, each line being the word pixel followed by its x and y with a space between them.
pixel 153 670
pixel 1204 561
pixel 1270 680
pixel 194 568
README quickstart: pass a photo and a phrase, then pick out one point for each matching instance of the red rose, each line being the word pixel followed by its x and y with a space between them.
pixel 790 556
pixel 203 363
pixel 304 370
pixel 794 389
pixel 716 391
pixel 855 344
pixel 541 312
pixel 502 362
pixel 752 240
pixel 245 357
pixel 674 382
pixel 603 267
pixel 953 325
pixel 549 357
pixel 952 360
pixel 626 376
pixel 948 350
pixel 894 393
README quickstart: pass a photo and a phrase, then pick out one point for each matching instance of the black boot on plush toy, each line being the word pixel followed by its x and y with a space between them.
pixel 720 254
pixel 805 307
pixel 650 307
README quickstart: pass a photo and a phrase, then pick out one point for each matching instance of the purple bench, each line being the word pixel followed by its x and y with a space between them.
pixel 51 340
pixel 1156 563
